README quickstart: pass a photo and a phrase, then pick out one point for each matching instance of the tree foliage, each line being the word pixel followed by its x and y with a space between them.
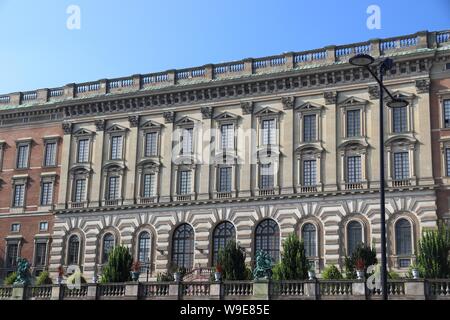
pixel 294 264
pixel 331 272
pixel 118 266
pixel 362 252
pixel 433 254
pixel 232 261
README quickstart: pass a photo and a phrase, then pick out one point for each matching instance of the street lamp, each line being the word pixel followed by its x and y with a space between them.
pixel 365 60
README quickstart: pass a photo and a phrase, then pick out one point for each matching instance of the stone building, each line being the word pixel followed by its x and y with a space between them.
pixel 175 164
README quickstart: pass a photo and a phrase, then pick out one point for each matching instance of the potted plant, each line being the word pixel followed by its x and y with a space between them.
pixel 311 271
pixel 60 271
pixel 218 273
pixel 179 273
pixel 415 271
pixel 135 270
pixel 359 268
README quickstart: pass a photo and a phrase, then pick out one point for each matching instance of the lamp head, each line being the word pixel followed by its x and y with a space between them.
pixel 397 103
pixel 361 60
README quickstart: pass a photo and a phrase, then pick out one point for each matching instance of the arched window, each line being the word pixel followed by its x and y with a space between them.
pixel 108 245
pixel 267 238
pixel 223 233
pixel 73 252
pixel 144 248
pixel 309 239
pixel 403 237
pixel 354 236
pixel 183 247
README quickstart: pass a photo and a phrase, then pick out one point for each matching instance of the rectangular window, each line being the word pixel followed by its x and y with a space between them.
pixel 447 161
pixel 185 182
pixel 113 188
pixel 40 254
pixel 446 113
pixel 80 190
pixel 353 123
pixel 309 172
pixel 401 166
pixel 399 120
pixel 354 169
pixel 83 151
pixel 22 156
pixel 227 136
pixel 116 147
pixel 43 226
pixel 47 193
pixel 187 141
pixel 11 254
pixel 19 194
pixel 149 185
pixel 15 227
pixel 268 132
pixel 309 128
pixel 267 181
pixel 225 179
pixel 151 146
pixel 50 154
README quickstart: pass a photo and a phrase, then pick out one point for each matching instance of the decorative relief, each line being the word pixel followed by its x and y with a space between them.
pixel 423 85
pixel 206 112
pixel 99 124
pixel 247 107
pixel 288 102
pixel 330 97
pixel 67 127
pixel 374 92
pixel 134 121
pixel 169 116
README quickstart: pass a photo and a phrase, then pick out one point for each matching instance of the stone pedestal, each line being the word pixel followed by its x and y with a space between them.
pixel 18 293
pixel 415 289
pixel 132 290
pixel 359 290
pixel 310 290
pixel 174 291
pixel 215 291
pixel 261 290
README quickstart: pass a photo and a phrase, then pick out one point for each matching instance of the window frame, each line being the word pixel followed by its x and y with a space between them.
pixel 20 144
pixel 187 241
pixel 265 237
pixel 47 142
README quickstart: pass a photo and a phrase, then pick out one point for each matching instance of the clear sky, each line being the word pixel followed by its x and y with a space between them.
pixel 121 38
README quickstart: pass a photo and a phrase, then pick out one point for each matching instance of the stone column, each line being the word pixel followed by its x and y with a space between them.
pixel 63 197
pixel 166 159
pixel 287 146
pixel 205 151
pixel 97 162
pixel 245 149
pixel 130 177
pixel 329 129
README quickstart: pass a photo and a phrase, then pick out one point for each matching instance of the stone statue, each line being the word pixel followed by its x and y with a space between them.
pixel 263 267
pixel 23 272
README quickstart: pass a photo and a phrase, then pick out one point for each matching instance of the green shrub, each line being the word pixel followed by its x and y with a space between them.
pixel 331 272
pixel 9 280
pixel 119 265
pixel 43 278
pixel 294 264
pixel 165 277
pixel 362 252
pixel 433 253
pixel 392 275
pixel 421 270
pixel 232 261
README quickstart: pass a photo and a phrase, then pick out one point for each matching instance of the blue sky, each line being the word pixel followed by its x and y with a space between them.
pixel 120 38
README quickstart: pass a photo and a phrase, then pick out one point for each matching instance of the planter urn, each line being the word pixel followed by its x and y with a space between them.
pixel 217 276
pixel 311 274
pixel 415 273
pixel 135 275
pixel 177 276
pixel 360 274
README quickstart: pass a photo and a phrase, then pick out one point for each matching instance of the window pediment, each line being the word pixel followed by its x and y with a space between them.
pixel 80 169
pixel 309 148
pixel 224 116
pixel 401 140
pixel 267 111
pixel 185 121
pixel 151 125
pixel 114 166
pixel 225 157
pixel 83 132
pixel 116 128
pixel 309 106
pixel 354 144
pixel 147 163
pixel 402 95
pixel 353 101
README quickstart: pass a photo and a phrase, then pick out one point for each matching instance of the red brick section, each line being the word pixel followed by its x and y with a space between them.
pixel 436 134
pixel 29 221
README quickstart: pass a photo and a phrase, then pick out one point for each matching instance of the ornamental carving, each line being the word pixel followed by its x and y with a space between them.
pixel 134 121
pixel 247 107
pixel 169 116
pixel 423 85
pixel 288 102
pixel 374 92
pixel 99 124
pixel 67 127
pixel 206 112
pixel 330 97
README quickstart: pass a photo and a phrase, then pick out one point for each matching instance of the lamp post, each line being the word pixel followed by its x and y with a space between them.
pixel 365 60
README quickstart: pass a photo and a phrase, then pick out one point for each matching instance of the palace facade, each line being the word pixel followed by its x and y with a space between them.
pixel 175 164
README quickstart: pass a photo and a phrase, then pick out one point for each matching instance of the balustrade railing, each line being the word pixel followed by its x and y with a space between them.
pixel 155 78
pixel 442 37
pixel 335 288
pixel 287 288
pixel 75 292
pixel 438 288
pixel 82 88
pixel 401 183
pixel 57 92
pixel 111 290
pixel 195 289
pixel 238 288
pixel 153 290
pixel 29 96
pixel 229 68
pixel 310 56
pixel 121 83
pixel 5 99
pixel 43 292
pixel 6 292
